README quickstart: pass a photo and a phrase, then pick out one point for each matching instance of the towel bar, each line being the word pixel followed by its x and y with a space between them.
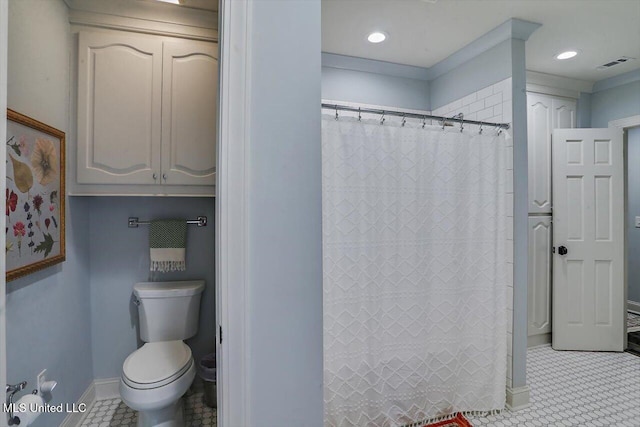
pixel 134 222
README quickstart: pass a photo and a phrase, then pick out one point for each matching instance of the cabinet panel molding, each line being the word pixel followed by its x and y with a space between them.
pixel 539 283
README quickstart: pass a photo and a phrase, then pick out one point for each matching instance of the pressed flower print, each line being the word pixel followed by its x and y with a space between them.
pixel 18 229
pixel 44 161
pixel 34 196
pixel 12 201
pixel 37 203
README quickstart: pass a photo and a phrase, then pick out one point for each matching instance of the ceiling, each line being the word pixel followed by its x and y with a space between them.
pixel 424 32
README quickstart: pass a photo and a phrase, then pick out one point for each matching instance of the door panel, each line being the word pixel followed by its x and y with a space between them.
pixel 539 283
pixel 189 105
pixel 539 125
pixel 119 81
pixel 588 220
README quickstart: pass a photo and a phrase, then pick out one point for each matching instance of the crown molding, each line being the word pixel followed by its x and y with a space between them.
pixel 145 17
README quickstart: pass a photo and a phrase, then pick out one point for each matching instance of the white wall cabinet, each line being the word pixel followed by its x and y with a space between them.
pixel 539 286
pixel 544 113
pixel 146 115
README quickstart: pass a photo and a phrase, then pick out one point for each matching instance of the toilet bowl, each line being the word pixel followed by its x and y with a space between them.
pixel 158 374
pixel 154 378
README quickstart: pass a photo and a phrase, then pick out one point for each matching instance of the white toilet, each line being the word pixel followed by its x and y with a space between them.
pixel 155 376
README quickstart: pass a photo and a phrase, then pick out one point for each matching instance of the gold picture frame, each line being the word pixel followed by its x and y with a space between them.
pixel 35 195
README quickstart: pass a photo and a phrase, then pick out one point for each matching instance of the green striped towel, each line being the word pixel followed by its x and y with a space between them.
pixel 167 242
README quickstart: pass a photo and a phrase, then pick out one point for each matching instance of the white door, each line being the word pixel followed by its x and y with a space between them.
pixel 588 236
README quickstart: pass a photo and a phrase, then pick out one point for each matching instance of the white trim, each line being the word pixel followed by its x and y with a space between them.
pixel 633 306
pixel 88 398
pixel 557 84
pixel 169 29
pixel 518 398
pixel 107 388
pixel 231 245
pixel 345 62
pixel 4 48
pixel 626 123
pixel 538 340
pixel 553 91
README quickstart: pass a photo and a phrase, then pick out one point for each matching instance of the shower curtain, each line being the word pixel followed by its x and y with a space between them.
pixel 415 272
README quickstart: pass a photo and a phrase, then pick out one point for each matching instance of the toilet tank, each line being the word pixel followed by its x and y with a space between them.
pixel 168 311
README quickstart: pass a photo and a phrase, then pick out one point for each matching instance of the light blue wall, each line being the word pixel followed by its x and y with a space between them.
pixel 373 88
pixel 483 70
pixel 584 110
pixel 284 277
pixel 120 257
pixel 520 211
pixel 48 312
pixel 633 192
pixel 615 103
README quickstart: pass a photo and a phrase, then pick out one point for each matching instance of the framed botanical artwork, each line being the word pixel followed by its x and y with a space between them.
pixel 35 226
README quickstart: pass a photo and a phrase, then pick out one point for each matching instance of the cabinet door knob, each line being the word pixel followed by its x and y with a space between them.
pixel 155 176
pixel 164 176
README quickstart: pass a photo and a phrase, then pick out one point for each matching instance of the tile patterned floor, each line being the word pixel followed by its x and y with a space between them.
pixel 568 388
pixel 114 413
pixel 573 388
pixel 633 322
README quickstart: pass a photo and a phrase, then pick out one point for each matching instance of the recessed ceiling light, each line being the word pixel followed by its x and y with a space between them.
pixel 566 55
pixel 173 1
pixel 377 37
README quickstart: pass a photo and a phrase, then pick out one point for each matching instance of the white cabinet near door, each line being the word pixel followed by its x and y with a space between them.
pixel 147 112
pixel 189 112
pixel 544 113
pixel 119 107
pixel 539 283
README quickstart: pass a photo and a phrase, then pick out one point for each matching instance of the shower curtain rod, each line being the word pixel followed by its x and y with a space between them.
pixel 458 118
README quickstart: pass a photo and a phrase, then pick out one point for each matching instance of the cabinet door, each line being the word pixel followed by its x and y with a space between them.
pixel 539 284
pixel 189 113
pixel 539 127
pixel 119 89
pixel 564 113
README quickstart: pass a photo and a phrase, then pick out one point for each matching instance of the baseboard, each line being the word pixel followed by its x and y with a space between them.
pixel 88 398
pixel 107 388
pixel 518 398
pixel 538 340
pixel 633 306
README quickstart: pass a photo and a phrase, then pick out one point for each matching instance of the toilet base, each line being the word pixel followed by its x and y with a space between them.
pixel 170 416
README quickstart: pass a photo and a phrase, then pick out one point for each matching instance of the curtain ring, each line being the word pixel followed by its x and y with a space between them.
pixel 336 112
pixel 424 121
pixel 359 115
pixel 480 133
pixel 461 124
pixel 444 122
pixel 382 118
pixel 404 120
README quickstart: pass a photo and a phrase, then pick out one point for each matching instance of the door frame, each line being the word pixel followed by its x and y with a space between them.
pixel 625 124
pixel 4 47
pixel 231 219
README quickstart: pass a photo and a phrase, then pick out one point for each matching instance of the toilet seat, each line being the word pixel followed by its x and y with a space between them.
pixel 156 364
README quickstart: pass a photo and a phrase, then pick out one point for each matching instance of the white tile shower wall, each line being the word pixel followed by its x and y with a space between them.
pixel 493 104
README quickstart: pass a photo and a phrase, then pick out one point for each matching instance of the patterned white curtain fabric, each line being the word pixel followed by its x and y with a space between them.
pixel 415 272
